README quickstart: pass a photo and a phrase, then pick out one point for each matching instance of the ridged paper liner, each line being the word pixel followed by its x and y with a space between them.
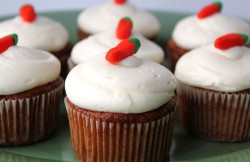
pixel 97 140
pixel 28 120
pixel 213 115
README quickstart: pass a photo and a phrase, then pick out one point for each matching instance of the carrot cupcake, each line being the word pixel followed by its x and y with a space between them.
pixel 30 90
pixel 120 107
pixel 202 29
pixel 214 90
pixel 39 32
pixel 105 17
pixel 102 42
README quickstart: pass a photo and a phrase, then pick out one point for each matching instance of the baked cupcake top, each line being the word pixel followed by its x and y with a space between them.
pixel 36 31
pixel 223 66
pixel 206 26
pixel 102 42
pixel 22 68
pixel 105 17
pixel 120 83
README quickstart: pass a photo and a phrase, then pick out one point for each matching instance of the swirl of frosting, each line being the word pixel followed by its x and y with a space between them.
pixel 105 17
pixel 193 32
pixel 23 68
pixel 102 42
pixel 43 33
pixel 132 86
pixel 211 68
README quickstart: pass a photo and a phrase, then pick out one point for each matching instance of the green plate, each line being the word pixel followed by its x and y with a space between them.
pixel 184 147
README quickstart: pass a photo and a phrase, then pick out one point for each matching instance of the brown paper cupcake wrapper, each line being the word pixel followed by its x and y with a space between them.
pixel 28 120
pixel 213 115
pixel 97 140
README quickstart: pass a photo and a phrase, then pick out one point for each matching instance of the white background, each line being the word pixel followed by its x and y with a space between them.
pixel 238 8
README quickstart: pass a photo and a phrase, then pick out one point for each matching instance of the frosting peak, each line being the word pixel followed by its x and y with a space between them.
pixel 215 69
pixel 43 33
pixel 102 42
pixel 101 86
pixel 192 32
pixel 22 69
pixel 105 17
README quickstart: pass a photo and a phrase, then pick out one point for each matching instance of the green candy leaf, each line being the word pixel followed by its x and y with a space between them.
pixel 245 37
pixel 136 42
pixel 219 4
pixel 15 38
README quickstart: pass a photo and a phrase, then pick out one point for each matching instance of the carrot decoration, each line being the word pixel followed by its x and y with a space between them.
pixel 210 10
pixel 124 49
pixel 230 40
pixel 119 2
pixel 27 13
pixel 124 28
pixel 7 42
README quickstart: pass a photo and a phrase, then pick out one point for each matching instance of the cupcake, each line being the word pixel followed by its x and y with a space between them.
pixel 39 32
pixel 30 90
pixel 214 90
pixel 202 29
pixel 102 42
pixel 105 17
pixel 120 107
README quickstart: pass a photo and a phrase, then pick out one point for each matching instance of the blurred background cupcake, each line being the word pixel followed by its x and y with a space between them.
pixel 214 90
pixel 30 92
pixel 103 41
pixel 39 32
pixel 105 17
pixel 121 107
pixel 202 29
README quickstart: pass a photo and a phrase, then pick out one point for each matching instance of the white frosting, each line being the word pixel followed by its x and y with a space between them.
pixel 105 17
pixel 211 68
pixel 193 32
pixel 23 68
pixel 44 33
pixel 102 42
pixel 134 87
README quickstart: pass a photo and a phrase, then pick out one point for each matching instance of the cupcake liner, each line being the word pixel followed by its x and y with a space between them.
pixel 27 120
pixel 214 115
pixel 98 139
